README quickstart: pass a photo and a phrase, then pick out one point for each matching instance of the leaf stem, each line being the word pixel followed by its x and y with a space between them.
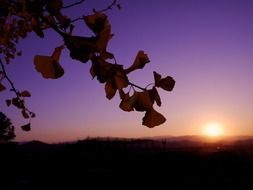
pixel 149 85
pixel 132 84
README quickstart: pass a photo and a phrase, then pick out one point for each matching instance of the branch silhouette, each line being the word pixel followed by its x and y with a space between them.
pixel 20 18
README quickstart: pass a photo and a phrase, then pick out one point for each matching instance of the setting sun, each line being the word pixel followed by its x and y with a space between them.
pixel 213 129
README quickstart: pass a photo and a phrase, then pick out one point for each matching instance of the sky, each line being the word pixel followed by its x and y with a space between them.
pixel 205 45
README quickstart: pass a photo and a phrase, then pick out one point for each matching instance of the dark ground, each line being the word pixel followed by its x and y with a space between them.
pixel 127 164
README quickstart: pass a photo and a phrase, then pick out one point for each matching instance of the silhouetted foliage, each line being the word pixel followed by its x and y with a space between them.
pixel 6 129
pixel 18 18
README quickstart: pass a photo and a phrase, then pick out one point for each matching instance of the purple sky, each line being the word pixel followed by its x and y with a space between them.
pixel 206 45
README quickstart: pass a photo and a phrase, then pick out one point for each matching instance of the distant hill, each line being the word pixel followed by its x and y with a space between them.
pixel 187 162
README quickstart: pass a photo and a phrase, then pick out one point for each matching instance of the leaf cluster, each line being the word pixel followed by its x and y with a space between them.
pixel 21 17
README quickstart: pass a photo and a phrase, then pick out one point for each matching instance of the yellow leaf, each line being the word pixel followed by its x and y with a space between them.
pixel 102 69
pixel 140 61
pixel 106 71
pixel 103 39
pixel 32 114
pixel 25 93
pixel 8 102
pixel 81 48
pixel 96 22
pixel 100 25
pixel 109 90
pixel 18 103
pixel 157 78
pixel 166 83
pixel 143 102
pixel 26 127
pixel 154 96
pixel 153 118
pixel 120 78
pixel 25 115
pixel 57 53
pixel 122 94
pixel 48 67
pixel 2 87
pixel 127 103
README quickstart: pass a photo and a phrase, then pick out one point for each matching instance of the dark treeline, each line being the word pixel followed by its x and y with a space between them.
pixel 127 163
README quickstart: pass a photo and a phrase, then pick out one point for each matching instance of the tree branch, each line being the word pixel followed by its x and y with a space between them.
pixel 12 86
pixel 76 19
pixel 103 10
pixel 107 8
pixel 8 79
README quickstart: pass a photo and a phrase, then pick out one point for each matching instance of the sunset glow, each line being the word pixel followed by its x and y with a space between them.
pixel 213 129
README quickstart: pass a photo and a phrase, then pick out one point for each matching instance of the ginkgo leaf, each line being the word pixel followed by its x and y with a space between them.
pixel 109 90
pixel 105 71
pixel 166 83
pixel 48 67
pixel 140 61
pixel 96 22
pixel 122 94
pixel 8 102
pixel 106 55
pixel 103 39
pixel 26 127
pixel 100 25
pixel 18 103
pixel 2 87
pixel 81 48
pixel 120 78
pixel 102 69
pixel 153 118
pixel 154 96
pixel 24 113
pixel 25 93
pixel 127 103
pixel 157 78
pixel 57 53
pixel 143 102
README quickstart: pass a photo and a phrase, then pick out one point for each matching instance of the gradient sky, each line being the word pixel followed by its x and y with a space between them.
pixel 206 45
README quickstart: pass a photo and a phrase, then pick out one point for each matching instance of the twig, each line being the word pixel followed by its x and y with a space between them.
pixel 76 19
pixel 12 86
pixel 103 10
pixel 72 5
pixel 107 8
pixel 8 79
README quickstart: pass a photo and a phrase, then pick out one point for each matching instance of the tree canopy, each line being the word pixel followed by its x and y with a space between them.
pixel 6 129
pixel 19 18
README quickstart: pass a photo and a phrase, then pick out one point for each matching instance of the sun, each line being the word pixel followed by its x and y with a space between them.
pixel 213 129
